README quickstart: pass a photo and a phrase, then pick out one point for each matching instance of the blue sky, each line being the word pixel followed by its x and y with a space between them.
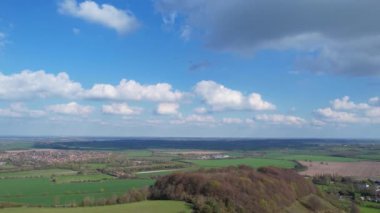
pixel 190 68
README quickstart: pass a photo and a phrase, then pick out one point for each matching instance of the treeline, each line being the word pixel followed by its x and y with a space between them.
pixel 235 189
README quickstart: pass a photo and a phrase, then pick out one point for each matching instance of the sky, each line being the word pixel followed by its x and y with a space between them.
pixel 190 68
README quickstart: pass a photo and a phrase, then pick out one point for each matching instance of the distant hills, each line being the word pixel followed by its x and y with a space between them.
pixel 188 143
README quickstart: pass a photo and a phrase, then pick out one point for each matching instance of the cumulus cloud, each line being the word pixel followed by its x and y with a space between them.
pixel 339 36
pixel 232 120
pixel 18 110
pixel 219 97
pixel 345 111
pixel 331 115
pixel 200 110
pixel 71 108
pixel 374 100
pixel 39 84
pixel 28 84
pixel 167 109
pixel 345 104
pixel 280 119
pixel 123 21
pixel 132 90
pixel 196 119
pixel 120 109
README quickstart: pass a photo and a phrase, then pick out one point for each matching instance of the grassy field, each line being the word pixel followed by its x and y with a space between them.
pixel 37 173
pixel 15 145
pixel 369 210
pixel 138 153
pixel 82 178
pixel 254 162
pixel 41 191
pixel 95 165
pixel 286 156
pixel 140 207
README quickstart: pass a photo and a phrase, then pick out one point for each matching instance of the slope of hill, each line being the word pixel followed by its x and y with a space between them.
pixel 242 189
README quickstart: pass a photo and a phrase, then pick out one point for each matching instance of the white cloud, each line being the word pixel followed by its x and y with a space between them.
pixel 374 100
pixel 200 110
pixel 120 109
pixel 337 116
pixel 221 98
pixel 39 84
pixel 28 84
pixel 345 104
pixel 123 21
pixel 71 108
pixel 20 110
pixel 280 119
pixel 317 123
pixel 232 120
pixel 132 90
pixel 345 111
pixel 373 112
pixel 257 103
pixel 197 119
pixel 167 109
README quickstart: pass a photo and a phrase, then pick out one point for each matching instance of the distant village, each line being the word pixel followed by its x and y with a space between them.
pixel 49 157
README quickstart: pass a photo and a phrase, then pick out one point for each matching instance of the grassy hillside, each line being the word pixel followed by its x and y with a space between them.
pixel 139 207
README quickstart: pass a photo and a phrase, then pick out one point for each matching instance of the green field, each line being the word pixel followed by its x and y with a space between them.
pixel 37 173
pixel 254 162
pixel 82 178
pixel 41 191
pixel 369 210
pixel 302 157
pixel 138 153
pixel 140 207
pixel 95 165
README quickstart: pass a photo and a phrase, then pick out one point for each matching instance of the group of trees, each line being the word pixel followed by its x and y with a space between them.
pixel 235 189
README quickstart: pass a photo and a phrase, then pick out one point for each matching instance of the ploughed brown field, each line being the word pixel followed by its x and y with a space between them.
pixel 363 169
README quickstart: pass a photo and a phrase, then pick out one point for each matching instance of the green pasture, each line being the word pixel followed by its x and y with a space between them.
pixel 82 178
pixel 140 207
pixel 369 210
pixel 138 153
pixel 303 157
pixel 253 162
pixel 41 191
pixel 37 173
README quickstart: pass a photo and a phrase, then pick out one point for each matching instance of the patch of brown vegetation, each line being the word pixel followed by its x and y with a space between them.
pixel 235 189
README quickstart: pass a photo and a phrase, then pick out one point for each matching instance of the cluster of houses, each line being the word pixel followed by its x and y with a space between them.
pixel 374 188
pixel 50 157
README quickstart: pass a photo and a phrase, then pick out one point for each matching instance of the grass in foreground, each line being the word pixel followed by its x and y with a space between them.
pixel 253 162
pixel 41 191
pixel 369 210
pixel 140 207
